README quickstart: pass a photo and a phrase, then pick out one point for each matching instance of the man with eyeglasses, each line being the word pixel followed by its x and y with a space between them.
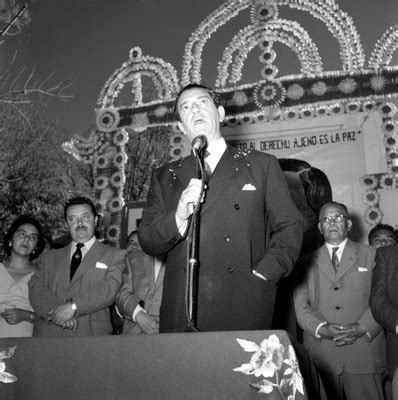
pixel 332 307
pixel 75 285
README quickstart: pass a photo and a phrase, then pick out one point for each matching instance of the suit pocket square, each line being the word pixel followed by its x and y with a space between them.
pixel 101 265
pixel 249 186
pixel 362 269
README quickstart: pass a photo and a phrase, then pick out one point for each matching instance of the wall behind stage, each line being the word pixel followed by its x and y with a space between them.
pixel 344 147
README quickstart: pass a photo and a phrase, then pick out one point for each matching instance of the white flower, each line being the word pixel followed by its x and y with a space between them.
pixel 295 91
pixel 319 88
pixel 369 181
pixel 373 215
pixel 377 83
pixel 160 111
pixel 239 99
pixel 267 358
pixel 6 377
pixel 296 379
pixel 347 85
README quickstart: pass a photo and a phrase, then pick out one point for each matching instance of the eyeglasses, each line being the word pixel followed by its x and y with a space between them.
pixel 333 218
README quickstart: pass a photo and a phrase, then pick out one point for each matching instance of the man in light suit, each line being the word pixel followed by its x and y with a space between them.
pixel 250 229
pixel 73 298
pixel 139 298
pixel 332 307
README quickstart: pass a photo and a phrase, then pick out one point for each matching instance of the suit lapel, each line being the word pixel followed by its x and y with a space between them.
pixel 229 169
pixel 89 260
pixel 185 170
pixel 63 263
pixel 149 270
pixel 325 263
pixel 350 254
pixel 159 280
pixel 226 172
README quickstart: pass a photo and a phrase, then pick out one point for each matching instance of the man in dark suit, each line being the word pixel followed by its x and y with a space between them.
pixel 332 307
pixel 250 229
pixel 74 286
pixel 138 300
pixel 384 306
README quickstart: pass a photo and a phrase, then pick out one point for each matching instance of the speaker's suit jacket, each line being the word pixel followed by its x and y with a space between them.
pixel 93 288
pixel 248 222
pixel 384 299
pixel 341 298
pixel 138 286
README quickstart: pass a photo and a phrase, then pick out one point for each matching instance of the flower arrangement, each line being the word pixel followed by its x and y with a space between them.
pixel 266 363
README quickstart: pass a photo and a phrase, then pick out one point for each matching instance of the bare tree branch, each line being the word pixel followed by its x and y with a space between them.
pixel 13 20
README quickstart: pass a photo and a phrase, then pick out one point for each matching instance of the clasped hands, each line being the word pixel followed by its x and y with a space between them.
pixel 63 316
pixel 342 335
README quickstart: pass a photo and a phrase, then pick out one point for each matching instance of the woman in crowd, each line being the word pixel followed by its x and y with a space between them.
pixel 23 243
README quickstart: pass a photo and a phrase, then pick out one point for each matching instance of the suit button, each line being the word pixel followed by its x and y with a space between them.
pixel 236 206
pixel 336 288
pixel 338 308
pixel 227 238
pixel 230 270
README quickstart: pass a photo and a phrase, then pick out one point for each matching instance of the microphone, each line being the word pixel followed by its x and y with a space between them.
pixel 199 143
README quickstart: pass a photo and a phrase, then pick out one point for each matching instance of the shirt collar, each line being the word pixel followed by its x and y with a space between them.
pixel 87 245
pixel 216 150
pixel 341 247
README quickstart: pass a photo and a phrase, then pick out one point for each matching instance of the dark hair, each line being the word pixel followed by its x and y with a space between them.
pixel 379 227
pixel 215 96
pixel 75 201
pixel 317 188
pixel 336 204
pixel 22 220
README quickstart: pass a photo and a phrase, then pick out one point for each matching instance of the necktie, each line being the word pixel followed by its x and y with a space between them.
pixel 207 171
pixel 335 259
pixel 76 259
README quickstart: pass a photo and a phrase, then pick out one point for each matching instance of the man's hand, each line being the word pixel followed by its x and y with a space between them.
pixel 357 331
pixel 332 331
pixel 15 315
pixel 62 313
pixel 70 324
pixel 189 197
pixel 148 323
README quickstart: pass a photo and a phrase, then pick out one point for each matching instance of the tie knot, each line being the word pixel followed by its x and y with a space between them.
pixel 79 246
pixel 335 249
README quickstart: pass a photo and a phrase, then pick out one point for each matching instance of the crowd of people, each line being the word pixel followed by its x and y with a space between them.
pixel 250 238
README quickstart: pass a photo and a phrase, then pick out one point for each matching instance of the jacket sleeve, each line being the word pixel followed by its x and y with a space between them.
pixel 367 320
pixel 42 299
pixel 307 317
pixel 102 295
pixel 383 309
pixel 158 232
pixel 126 300
pixel 286 225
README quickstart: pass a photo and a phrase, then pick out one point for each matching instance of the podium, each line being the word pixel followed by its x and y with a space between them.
pixel 216 365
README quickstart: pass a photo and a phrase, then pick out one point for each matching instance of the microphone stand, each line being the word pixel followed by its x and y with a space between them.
pixel 191 285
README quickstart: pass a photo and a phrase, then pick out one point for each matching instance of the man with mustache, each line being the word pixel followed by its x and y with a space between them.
pixel 332 307
pixel 250 230
pixel 75 285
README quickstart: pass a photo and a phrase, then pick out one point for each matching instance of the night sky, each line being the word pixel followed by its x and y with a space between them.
pixel 83 41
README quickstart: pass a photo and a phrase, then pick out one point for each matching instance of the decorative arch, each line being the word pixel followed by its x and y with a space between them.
pixel 287 32
pixel 311 93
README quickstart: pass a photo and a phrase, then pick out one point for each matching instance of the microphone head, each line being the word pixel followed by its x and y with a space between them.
pixel 199 142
